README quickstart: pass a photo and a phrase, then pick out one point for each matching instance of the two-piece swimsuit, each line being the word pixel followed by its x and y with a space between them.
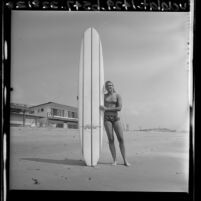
pixel 111 116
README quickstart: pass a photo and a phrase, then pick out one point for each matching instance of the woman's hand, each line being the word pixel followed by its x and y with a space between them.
pixel 103 108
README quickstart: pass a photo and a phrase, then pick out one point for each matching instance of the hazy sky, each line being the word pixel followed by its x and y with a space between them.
pixel 145 55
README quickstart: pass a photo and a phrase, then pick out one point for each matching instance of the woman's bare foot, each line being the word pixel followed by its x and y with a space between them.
pixel 126 163
pixel 115 163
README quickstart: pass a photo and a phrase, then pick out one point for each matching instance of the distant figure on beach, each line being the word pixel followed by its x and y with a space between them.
pixel 112 105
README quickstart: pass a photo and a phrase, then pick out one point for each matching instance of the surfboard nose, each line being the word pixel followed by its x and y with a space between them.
pixel 91 29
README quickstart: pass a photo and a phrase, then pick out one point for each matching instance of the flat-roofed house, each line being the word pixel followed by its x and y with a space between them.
pixel 56 115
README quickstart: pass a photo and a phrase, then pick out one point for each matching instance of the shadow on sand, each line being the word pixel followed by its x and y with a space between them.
pixel 66 161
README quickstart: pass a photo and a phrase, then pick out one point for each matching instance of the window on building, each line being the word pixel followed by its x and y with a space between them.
pixel 59 125
pixel 42 110
pixel 57 112
pixel 65 113
pixel 54 112
pixel 74 126
pixel 73 114
pixel 69 114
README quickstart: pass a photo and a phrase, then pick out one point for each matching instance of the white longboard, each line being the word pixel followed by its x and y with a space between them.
pixel 91 96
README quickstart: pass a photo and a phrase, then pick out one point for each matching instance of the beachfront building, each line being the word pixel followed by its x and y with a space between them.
pixel 44 115
pixel 56 115
pixel 20 116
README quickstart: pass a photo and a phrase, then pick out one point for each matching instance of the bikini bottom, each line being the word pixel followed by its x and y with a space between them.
pixel 111 117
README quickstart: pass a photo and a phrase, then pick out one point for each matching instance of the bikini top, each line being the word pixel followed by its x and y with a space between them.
pixel 111 101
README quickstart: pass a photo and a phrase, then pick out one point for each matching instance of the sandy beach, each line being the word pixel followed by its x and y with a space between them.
pixel 50 159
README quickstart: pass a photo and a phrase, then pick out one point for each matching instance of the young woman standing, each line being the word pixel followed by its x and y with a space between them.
pixel 112 105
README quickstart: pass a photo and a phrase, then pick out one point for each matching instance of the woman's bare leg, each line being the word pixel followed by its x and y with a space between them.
pixel 119 132
pixel 110 135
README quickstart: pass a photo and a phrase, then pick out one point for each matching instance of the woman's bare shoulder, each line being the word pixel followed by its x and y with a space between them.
pixel 117 95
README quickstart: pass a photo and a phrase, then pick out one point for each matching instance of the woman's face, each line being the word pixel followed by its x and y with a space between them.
pixel 109 87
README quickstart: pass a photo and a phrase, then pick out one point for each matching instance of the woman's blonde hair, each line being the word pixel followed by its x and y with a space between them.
pixel 107 82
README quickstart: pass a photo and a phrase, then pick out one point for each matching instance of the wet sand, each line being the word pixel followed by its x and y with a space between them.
pixel 50 159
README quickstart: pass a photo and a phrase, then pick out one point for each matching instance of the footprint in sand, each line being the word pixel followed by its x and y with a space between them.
pixel 89 178
pixel 178 172
pixel 35 181
pixel 66 178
